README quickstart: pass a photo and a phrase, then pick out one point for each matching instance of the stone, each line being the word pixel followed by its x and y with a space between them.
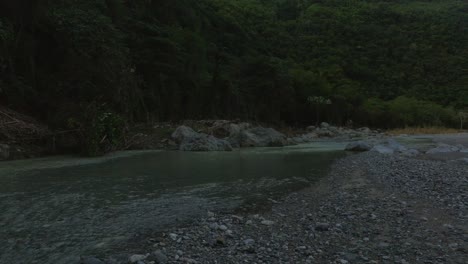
pixel 173 236
pixel 324 132
pixel 136 258
pixel 183 133
pixel 189 140
pixel 358 146
pixel 158 257
pixel 261 137
pixel 324 125
pixel 365 130
pixel 322 227
pixel 267 222
pixel 382 149
pixel 249 242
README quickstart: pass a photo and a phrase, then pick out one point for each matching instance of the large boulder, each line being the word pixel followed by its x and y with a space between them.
pixel 359 146
pixel 205 143
pixel 324 132
pixel 443 148
pixel 184 133
pixel 189 140
pixel 389 146
pixel 382 149
pixel 324 125
pixel 4 152
pixel 260 137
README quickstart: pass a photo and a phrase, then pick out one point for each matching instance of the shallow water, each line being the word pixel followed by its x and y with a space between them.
pixel 54 210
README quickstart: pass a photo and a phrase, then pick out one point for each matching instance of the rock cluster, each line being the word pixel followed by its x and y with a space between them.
pixel 235 135
pixel 326 130
pixel 189 140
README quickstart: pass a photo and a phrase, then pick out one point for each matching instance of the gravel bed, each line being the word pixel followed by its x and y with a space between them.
pixel 371 209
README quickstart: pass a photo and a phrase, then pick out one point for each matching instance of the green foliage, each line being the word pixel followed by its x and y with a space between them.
pixel 381 63
pixel 101 131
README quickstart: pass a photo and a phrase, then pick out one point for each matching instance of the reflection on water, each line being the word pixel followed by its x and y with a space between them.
pixel 53 213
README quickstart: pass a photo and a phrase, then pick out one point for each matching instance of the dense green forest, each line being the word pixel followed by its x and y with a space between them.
pixel 379 63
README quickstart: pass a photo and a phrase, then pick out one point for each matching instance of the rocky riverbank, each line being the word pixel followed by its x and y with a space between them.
pixel 372 208
pixel 224 135
pixel 189 135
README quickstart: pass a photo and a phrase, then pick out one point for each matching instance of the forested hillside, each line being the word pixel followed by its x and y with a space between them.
pixel 377 62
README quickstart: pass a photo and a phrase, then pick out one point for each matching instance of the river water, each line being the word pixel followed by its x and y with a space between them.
pixel 54 210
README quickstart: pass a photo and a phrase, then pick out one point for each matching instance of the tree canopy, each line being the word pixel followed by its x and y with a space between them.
pixel 381 63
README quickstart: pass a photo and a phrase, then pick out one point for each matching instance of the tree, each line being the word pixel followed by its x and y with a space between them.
pixel 318 102
pixel 463 116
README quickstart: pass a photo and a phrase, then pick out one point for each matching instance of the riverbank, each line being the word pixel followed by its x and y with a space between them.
pixel 188 135
pixel 371 209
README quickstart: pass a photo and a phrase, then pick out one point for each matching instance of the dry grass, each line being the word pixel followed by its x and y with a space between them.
pixel 423 130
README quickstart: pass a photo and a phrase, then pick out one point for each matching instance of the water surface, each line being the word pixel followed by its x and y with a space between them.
pixel 54 210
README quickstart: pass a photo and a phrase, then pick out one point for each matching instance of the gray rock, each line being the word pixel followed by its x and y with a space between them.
pixel 205 143
pixel 364 130
pixel 173 236
pixel 324 132
pixel 311 128
pixel 324 125
pixel 383 149
pixel 268 222
pixel 189 140
pixel 158 257
pixel 4 152
pixel 443 148
pixel 184 133
pixel 249 242
pixel 261 137
pixel 137 258
pixel 358 146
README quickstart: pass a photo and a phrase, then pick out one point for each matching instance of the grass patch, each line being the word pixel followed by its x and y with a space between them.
pixel 423 130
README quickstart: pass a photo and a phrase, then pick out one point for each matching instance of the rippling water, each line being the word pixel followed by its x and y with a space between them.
pixel 54 210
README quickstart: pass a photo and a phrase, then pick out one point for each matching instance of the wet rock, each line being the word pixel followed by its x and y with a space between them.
pixel 358 146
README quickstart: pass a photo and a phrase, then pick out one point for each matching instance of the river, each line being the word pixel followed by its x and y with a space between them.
pixel 55 209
